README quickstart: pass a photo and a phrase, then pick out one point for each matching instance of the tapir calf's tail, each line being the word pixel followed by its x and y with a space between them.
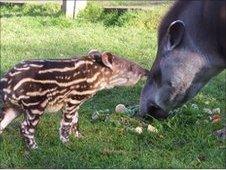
pixel 2 86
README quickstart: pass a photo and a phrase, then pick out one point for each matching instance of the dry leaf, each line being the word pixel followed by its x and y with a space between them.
pixel 215 118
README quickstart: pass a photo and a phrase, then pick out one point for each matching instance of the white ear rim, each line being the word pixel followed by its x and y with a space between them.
pixel 105 60
pixel 170 46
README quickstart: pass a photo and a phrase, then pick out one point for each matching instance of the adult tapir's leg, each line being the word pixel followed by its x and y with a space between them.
pixel 7 116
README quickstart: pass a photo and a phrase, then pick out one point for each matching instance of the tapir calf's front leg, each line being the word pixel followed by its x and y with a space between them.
pixel 69 124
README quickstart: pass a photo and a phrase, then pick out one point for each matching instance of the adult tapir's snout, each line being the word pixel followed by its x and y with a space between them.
pixel 148 107
pixel 153 110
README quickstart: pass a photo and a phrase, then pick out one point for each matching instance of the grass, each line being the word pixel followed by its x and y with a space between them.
pixel 184 140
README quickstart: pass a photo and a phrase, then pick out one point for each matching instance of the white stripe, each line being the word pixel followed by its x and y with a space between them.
pixel 92 79
pixel 48 82
pixel 21 69
pixel 44 104
pixel 35 65
pixel 74 92
pixel 30 104
pixel 59 97
pixel 40 93
pixel 21 97
pixel 77 65
pixel 13 74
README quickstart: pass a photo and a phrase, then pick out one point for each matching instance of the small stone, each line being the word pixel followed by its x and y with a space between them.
pixel 120 108
pixel 95 116
pixel 208 111
pixel 138 129
pixel 152 129
pixel 216 111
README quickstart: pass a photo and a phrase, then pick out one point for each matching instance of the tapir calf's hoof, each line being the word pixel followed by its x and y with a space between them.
pixel 78 135
pixel 221 133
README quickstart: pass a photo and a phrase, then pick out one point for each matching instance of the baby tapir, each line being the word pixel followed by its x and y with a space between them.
pixel 33 87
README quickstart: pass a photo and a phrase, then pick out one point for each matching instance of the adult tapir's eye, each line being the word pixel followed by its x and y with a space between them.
pixel 156 76
pixel 130 68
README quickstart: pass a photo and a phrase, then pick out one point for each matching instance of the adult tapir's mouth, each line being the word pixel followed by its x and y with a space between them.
pixel 157 112
pixel 150 109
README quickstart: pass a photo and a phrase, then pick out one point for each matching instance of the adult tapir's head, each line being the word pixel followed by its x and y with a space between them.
pixel 190 52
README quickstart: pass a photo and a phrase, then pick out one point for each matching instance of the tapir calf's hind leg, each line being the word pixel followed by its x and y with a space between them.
pixel 9 115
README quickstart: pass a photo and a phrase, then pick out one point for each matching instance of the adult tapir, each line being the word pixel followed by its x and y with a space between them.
pixel 191 50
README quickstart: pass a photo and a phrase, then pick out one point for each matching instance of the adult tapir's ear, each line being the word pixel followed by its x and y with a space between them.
pixel 175 34
pixel 107 59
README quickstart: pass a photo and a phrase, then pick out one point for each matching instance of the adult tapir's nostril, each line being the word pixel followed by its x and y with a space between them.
pixel 155 111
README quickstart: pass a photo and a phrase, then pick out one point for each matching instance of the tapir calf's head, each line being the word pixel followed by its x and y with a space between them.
pixel 118 71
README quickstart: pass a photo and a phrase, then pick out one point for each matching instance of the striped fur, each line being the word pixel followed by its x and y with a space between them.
pixel 37 86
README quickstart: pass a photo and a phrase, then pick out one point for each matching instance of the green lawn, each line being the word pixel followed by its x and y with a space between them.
pixel 184 140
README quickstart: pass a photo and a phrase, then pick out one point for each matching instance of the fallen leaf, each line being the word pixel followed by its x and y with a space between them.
pixel 215 118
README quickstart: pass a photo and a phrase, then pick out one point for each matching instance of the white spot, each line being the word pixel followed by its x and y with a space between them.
pixel 35 122
pixel 75 118
pixel 35 111
pixel 31 130
pixel 75 102
pixel 4 79
pixel 7 90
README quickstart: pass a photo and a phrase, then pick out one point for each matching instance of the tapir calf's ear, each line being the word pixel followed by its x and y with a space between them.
pixel 107 59
pixel 175 34
pixel 94 53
